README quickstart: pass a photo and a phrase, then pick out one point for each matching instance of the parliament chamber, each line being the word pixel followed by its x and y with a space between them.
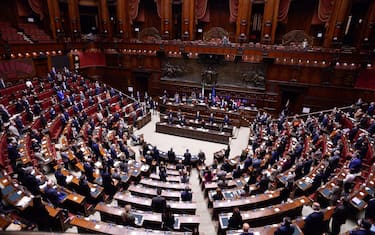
pixel 244 117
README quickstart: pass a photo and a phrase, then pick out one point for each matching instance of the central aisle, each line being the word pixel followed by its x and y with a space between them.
pixel 180 144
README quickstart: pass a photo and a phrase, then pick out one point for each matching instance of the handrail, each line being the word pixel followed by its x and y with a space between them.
pixel 313 113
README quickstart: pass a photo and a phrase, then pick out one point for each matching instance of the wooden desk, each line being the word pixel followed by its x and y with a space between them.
pixel 325 191
pixel 164 155
pixel 205 111
pixel 58 218
pixel 246 203
pixel 109 213
pixel 200 124
pixel 270 229
pixel 163 185
pixel 170 178
pixel 142 121
pixel 13 195
pixel 266 230
pixel 151 192
pixel 305 183
pixel 264 216
pixel 195 133
pixel 96 191
pixel 359 198
pixel 235 183
pixel 90 226
pixel 4 222
pixel 143 203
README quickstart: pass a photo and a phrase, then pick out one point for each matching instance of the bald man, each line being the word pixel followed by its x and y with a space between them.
pixel 246 228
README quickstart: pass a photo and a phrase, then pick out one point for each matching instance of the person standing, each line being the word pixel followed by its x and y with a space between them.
pixel 235 221
pixel 314 222
pixel 158 203
pixel 285 228
pixel 187 158
pixel 127 216
pixel 339 216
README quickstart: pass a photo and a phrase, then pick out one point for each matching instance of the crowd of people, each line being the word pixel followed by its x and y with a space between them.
pixel 290 146
pixel 294 147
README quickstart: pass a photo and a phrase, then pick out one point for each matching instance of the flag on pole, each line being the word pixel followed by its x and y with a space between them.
pixel 213 94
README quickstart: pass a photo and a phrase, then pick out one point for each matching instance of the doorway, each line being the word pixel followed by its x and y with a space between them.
pixel 292 96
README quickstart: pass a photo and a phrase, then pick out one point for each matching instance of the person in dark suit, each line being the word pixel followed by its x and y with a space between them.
pixel 248 162
pixel 314 223
pixel 32 183
pixel 83 187
pixel 127 216
pixel 186 195
pixel 307 166
pixel 171 156
pixel 168 218
pixel 235 221
pixel 180 165
pixel 317 181
pixel 339 216
pixel 245 229
pixel 156 154
pixel 218 195
pixel 227 152
pixel 109 187
pixel 89 171
pixel 364 228
pixel 226 166
pixel 285 228
pixel 60 177
pixel 163 173
pixel 158 203
pixel 52 194
pixel 198 116
pixel 226 120
pixel 201 157
pixel 187 157
pixel 39 214
pixel 370 209
pixel 211 119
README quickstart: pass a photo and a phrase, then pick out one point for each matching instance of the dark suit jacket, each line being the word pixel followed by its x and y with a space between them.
pixel 360 232
pixel 52 195
pixel 186 196
pixel 340 214
pixel 158 204
pixel 314 223
pixel 60 178
pixel 284 230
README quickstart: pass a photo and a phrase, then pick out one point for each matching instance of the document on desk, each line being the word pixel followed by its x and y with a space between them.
pixel 357 201
pixel 24 201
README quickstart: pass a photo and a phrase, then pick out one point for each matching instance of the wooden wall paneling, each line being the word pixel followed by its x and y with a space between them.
pixel 243 20
pixel 104 19
pixel 219 17
pixel 123 19
pixel 166 19
pixel 300 16
pixel 40 67
pixel 8 11
pixel 74 19
pixel 367 33
pixel 188 20
pixel 337 23
pixel 269 21
pixel 55 20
